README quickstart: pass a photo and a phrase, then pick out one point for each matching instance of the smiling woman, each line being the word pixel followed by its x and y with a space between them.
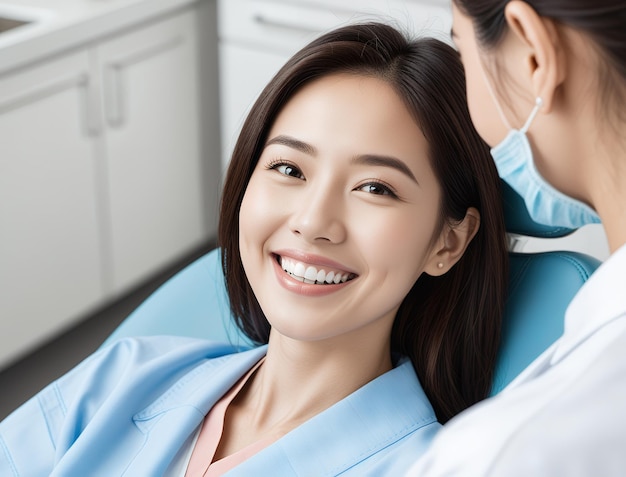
pixel 363 245
pixel 358 153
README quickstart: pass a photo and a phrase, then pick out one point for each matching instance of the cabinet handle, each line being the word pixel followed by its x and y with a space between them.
pixel 114 86
pixel 54 86
pixel 113 94
pixel 300 19
pixel 289 25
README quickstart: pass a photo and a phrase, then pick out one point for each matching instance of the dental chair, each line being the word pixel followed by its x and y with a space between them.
pixel 194 303
pixel 541 286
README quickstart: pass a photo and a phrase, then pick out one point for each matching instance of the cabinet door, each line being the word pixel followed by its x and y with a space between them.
pixel 49 237
pixel 151 111
pixel 244 72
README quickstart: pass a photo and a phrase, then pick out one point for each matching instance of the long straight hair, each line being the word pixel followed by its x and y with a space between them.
pixel 448 326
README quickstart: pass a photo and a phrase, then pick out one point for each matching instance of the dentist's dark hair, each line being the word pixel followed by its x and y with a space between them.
pixel 602 21
pixel 449 326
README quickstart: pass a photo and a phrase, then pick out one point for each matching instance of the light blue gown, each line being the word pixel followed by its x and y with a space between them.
pixel 129 409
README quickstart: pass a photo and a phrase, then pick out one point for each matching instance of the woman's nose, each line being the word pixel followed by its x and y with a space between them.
pixel 319 216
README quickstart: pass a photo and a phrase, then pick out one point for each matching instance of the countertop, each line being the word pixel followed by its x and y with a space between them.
pixel 66 24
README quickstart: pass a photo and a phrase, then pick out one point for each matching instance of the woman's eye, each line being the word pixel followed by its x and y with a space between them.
pixel 377 189
pixel 288 170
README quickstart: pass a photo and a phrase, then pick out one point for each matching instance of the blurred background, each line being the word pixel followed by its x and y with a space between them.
pixel 117 118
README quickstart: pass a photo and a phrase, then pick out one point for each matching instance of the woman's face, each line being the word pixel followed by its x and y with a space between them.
pixel 338 218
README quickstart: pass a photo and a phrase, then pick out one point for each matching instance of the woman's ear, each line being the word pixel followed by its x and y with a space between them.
pixel 544 59
pixel 452 243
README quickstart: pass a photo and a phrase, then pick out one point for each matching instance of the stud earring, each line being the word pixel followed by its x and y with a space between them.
pixel 440 265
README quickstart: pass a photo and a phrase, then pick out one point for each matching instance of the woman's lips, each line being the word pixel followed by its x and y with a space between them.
pixel 310 275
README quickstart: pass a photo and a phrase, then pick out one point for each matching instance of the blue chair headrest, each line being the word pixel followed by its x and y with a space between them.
pixel 518 220
pixel 541 285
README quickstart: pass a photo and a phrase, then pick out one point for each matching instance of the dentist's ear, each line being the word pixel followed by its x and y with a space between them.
pixel 544 62
pixel 452 243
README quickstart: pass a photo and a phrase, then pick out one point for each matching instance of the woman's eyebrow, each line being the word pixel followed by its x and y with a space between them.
pixel 293 143
pixel 363 159
pixel 385 161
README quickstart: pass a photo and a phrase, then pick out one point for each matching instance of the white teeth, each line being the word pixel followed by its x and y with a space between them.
pixel 288 265
pixel 299 270
pixel 309 274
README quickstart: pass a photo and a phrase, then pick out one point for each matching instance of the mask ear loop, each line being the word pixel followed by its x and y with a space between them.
pixel 494 98
pixel 533 113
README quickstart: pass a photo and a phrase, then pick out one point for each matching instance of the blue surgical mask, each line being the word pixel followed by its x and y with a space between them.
pixel 546 205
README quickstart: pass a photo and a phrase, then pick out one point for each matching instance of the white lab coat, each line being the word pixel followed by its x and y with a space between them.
pixel 132 408
pixel 565 415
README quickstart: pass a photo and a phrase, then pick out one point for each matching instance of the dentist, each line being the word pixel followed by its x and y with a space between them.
pixel 546 84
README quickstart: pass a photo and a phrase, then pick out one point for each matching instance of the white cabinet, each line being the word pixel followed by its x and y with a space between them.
pixel 150 102
pixel 102 169
pixel 243 74
pixel 50 260
pixel 256 37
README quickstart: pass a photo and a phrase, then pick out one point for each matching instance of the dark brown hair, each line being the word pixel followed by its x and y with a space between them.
pixel 449 326
pixel 603 21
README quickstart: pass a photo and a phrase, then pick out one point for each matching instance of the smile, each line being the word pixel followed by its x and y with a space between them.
pixel 312 275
